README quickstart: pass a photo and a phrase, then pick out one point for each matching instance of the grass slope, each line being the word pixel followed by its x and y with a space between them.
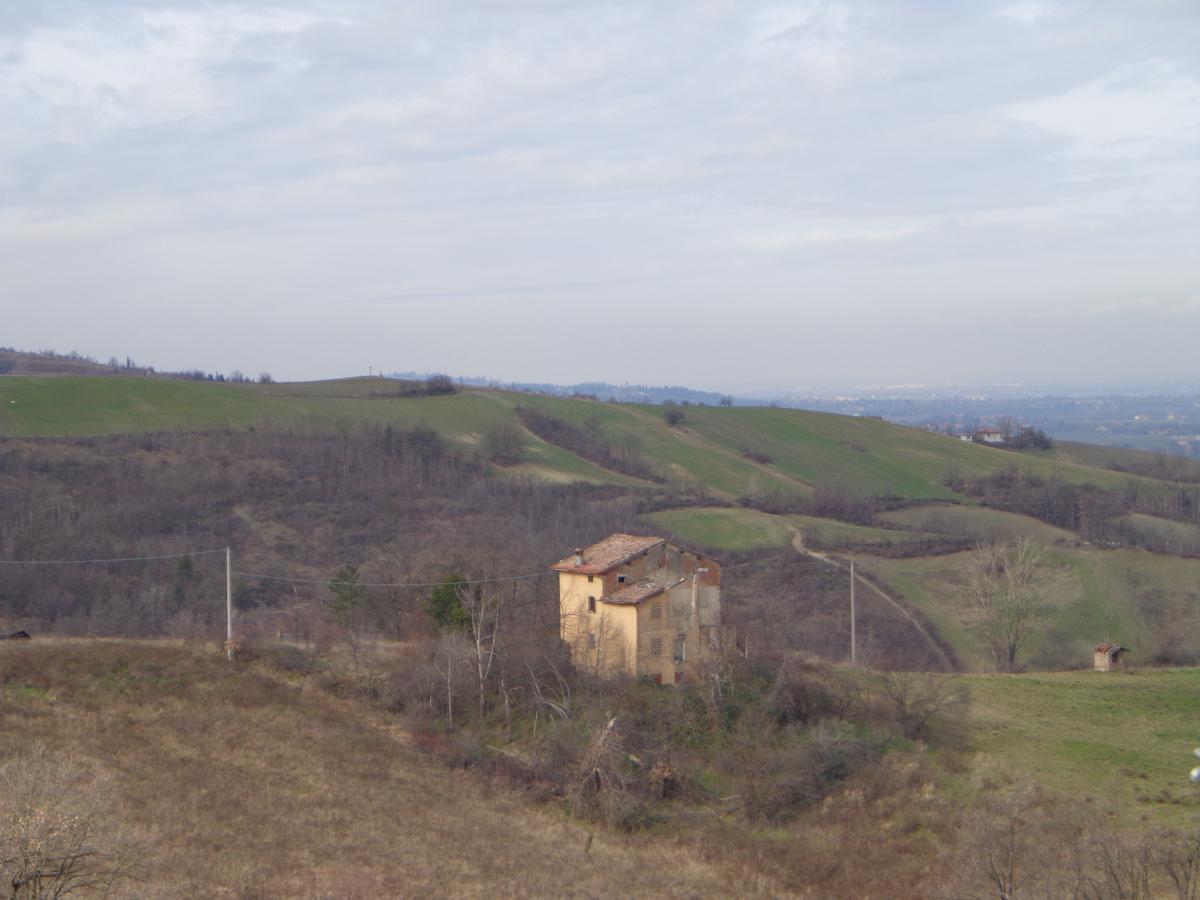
pixel 246 785
pixel 1094 595
pixel 731 528
pixel 725 528
pixel 1127 737
pixel 807 449
pixel 977 522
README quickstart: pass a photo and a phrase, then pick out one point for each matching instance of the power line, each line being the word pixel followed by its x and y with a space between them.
pixel 413 584
pixel 121 559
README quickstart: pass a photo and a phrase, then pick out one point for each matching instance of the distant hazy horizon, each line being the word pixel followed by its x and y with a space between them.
pixel 750 197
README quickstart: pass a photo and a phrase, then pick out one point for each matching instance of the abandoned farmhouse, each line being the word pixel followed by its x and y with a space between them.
pixel 641 606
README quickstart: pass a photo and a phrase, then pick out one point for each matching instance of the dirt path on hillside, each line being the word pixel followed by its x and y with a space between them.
pixel 950 663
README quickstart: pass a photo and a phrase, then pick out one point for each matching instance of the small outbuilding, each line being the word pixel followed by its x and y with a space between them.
pixel 1109 657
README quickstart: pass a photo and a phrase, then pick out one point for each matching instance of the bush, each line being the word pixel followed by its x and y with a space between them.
pixel 60 829
pixel 673 414
pixel 439 384
pixel 503 445
pixel 798 696
pixel 291 659
pixel 756 453
pixel 789 775
pixel 922 701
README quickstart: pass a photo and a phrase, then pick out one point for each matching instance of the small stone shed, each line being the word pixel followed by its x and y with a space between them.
pixel 1109 657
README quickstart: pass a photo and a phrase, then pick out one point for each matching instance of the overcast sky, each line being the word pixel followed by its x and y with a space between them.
pixel 731 195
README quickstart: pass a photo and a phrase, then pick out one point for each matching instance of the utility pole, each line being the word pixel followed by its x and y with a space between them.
pixel 228 605
pixel 853 636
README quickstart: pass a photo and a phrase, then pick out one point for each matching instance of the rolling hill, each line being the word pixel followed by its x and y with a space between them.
pixel 705 470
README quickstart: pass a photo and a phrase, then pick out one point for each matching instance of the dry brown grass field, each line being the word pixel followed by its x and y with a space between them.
pixel 240 784
pixel 251 780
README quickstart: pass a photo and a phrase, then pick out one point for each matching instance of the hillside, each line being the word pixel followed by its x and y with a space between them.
pixel 1125 737
pixel 736 480
pixel 268 777
pixel 238 782
pixel 806 450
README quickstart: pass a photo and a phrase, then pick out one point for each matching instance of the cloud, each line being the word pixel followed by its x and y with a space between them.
pixel 1141 306
pixel 791 240
pixel 1134 110
pixel 640 159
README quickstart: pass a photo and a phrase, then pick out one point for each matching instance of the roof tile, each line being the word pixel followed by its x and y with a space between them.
pixel 608 554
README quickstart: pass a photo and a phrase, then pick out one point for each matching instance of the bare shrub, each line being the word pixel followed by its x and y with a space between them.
pixel 293 660
pixel 604 787
pixel 60 829
pixel 1015 845
pixel 756 453
pixel 503 445
pixel 920 701
pixel 799 695
pixel 787 775
pixel 1111 863
pixel 1177 855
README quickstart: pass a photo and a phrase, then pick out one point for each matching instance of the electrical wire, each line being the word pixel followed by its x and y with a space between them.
pixel 121 559
pixel 392 584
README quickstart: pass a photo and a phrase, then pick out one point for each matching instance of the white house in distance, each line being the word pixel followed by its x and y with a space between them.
pixel 641 606
pixel 989 436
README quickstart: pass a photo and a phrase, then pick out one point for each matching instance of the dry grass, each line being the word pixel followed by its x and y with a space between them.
pixel 253 787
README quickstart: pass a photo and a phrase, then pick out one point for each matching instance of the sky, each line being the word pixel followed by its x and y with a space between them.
pixel 736 196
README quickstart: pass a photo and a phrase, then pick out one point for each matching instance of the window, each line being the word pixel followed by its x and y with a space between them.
pixel 620 579
pixel 591 578
pixel 591 640
pixel 591 604
pixel 656 647
pixel 656 610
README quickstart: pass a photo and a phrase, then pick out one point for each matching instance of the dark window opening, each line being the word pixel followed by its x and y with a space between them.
pixel 591 604
pixel 591 578
pixel 621 579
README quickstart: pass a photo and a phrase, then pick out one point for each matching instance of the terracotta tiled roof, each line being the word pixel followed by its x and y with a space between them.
pixel 608 554
pixel 1108 648
pixel 634 593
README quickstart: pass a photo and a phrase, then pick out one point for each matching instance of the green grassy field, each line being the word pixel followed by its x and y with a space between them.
pixel 1093 595
pixel 976 522
pixel 1126 737
pixel 1177 537
pixel 725 528
pixel 833 534
pixel 806 450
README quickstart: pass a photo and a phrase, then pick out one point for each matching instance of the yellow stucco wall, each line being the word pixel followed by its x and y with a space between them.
pixel 623 635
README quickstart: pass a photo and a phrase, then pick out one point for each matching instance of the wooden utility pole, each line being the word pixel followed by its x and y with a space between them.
pixel 228 605
pixel 853 636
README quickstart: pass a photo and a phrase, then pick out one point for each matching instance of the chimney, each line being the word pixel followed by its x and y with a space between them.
pixel 579 556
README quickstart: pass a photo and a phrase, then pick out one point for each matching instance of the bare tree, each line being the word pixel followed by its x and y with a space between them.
pixel 1178 855
pixel 59 829
pixel 1006 584
pixel 917 698
pixel 483 605
pixel 1017 845
pixel 452 651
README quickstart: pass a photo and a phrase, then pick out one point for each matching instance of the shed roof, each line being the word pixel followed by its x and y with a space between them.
pixel 608 554
pixel 1110 648
pixel 630 594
